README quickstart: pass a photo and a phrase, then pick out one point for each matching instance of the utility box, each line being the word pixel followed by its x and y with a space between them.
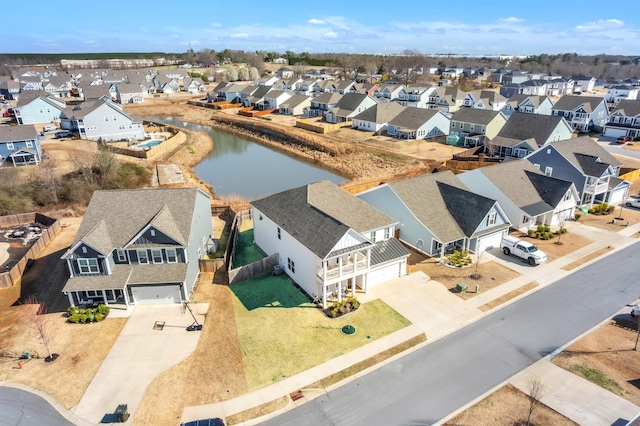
pixel 121 413
pixel 462 287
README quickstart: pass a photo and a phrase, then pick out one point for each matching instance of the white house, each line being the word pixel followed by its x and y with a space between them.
pixel 327 240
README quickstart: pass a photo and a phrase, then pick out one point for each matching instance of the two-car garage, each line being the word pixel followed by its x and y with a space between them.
pixel 155 294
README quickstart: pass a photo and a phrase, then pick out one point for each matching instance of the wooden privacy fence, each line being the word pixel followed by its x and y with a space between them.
pixel 323 128
pixel 253 269
pixel 211 265
pixel 14 274
pixel 164 146
pixel 630 175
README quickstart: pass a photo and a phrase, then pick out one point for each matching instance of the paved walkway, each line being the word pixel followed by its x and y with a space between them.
pixel 138 356
pixel 574 397
pixel 435 311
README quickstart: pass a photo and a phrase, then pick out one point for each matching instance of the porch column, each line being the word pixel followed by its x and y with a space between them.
pixel 70 296
pixel 124 297
pixel 340 291
pixel 441 252
pixel 353 286
pixel 104 297
pixel 324 297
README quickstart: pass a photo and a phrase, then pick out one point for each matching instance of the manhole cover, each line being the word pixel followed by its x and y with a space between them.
pixel 159 325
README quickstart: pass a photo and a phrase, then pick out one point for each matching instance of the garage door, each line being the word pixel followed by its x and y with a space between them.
pixel 145 295
pixel 489 241
pixel 614 133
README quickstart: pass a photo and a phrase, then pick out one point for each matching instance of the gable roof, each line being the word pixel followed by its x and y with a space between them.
pixel 570 102
pixel 294 101
pixel 511 142
pixel 381 113
pixel 443 204
pixel 475 116
pixel 413 118
pixel 590 151
pixel 512 178
pixel 351 101
pixel 552 190
pixel 521 125
pixel 114 217
pixel 319 214
pixel 26 132
pixel 628 108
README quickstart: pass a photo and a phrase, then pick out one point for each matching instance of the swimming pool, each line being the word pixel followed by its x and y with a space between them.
pixel 148 144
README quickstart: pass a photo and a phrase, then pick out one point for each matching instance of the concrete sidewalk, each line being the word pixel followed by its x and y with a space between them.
pixel 435 311
pixel 574 397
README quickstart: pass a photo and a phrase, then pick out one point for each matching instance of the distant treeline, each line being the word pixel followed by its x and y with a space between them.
pixel 32 58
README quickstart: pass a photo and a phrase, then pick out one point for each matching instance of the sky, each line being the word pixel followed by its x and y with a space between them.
pixel 372 27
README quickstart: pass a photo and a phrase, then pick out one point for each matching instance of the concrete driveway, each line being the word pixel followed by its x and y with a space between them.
pixel 138 356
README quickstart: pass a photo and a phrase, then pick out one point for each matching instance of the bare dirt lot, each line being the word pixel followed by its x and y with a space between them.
pixel 606 356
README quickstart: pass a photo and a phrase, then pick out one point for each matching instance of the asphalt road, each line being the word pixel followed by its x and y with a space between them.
pixel 22 408
pixel 428 384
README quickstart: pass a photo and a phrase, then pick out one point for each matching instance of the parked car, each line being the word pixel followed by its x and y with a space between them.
pixel 623 139
pixel 205 422
pixel 49 128
pixel 635 311
pixel 59 135
pixel 524 250
pixel 632 202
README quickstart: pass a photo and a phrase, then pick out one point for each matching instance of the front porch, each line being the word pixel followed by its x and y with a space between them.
pixel 341 274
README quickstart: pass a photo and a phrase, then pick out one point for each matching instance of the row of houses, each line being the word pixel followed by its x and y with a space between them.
pixel 330 242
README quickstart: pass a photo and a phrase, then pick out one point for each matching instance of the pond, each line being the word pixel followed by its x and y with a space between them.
pixel 238 166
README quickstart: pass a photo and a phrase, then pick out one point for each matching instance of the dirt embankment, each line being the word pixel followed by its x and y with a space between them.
pixel 342 157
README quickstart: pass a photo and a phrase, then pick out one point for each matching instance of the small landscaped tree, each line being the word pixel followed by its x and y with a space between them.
pixel 535 391
pixel 39 321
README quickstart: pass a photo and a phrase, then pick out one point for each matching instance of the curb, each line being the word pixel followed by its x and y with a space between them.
pixel 72 418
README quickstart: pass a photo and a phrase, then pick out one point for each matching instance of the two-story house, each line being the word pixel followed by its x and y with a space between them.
pixel 621 92
pixel 415 95
pixel 376 118
pixel 327 240
pixel 531 104
pixel 103 120
pixel 39 109
pixel 624 120
pixel 19 145
pixel 473 127
pixel 592 169
pixel 139 246
pixel 583 113
pixel 321 104
pixel 484 99
pixel 446 99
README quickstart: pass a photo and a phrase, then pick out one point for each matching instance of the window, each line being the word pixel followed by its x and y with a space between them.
pixel 279 236
pixel 143 257
pixel 372 237
pixel 548 150
pixel 525 219
pixel 548 171
pixel 88 266
pixel 84 249
pixel 291 265
pixel 121 255
pixel 536 165
pixel 171 256
pixel 29 144
pixel 491 219
pixel 10 146
pixel 156 255
pixel 92 293
pixel 567 196
pixel 387 233
pixel 153 232
pixel 106 118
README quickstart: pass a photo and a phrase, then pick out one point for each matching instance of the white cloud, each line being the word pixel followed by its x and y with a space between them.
pixel 314 21
pixel 330 34
pixel 215 24
pixel 511 19
pixel 600 24
pixel 239 35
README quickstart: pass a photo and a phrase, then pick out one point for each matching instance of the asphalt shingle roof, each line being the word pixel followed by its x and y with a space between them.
pixel 521 125
pixel 413 118
pixel 319 214
pixel 381 113
pixel 587 147
pixel 570 103
pixel 25 132
pixel 114 217
pixel 474 115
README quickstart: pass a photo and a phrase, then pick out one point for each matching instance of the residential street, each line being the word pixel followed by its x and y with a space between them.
pixel 428 384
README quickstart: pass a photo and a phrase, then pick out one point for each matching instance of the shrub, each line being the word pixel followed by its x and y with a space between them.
pixel 98 317
pixel 600 209
pixel 577 216
pixel 531 232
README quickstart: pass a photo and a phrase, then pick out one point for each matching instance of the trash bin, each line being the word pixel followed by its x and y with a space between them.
pixel 121 413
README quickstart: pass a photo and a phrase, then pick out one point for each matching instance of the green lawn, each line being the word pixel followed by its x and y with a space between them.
pixel 282 333
pixel 247 251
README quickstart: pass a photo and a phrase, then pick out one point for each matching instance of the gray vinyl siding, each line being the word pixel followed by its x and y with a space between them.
pixel 159 238
pixel 201 231
pixel 90 254
pixel 500 220
pixel 411 229
pixel 104 123
pixel 39 111
pixel 562 169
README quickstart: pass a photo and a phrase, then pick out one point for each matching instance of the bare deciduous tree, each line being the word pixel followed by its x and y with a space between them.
pixel 40 323
pixel 535 391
